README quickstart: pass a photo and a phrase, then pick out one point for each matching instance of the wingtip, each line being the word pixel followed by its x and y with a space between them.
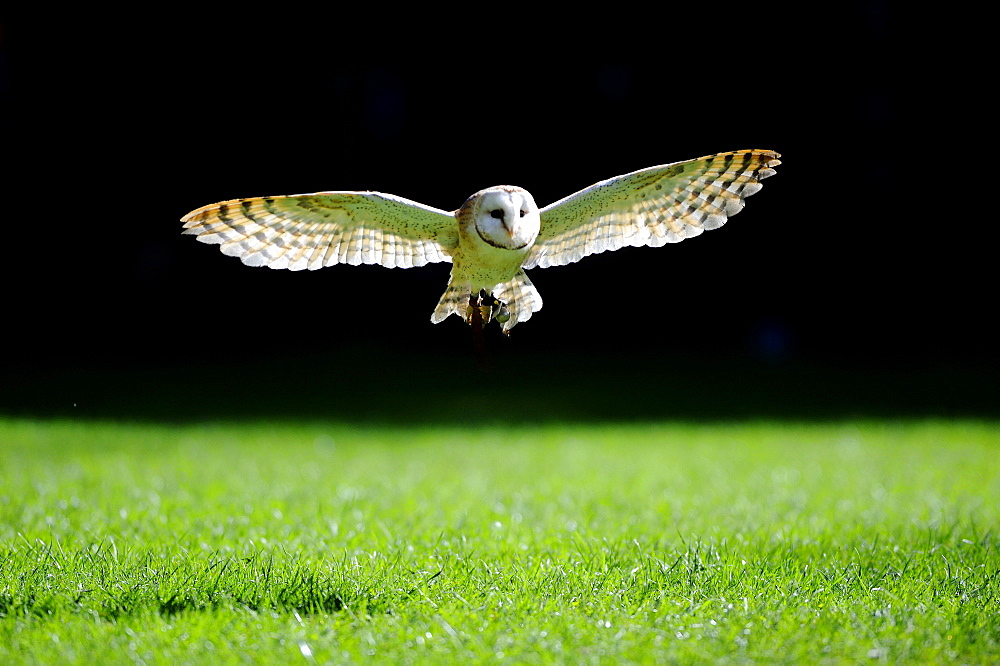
pixel 774 158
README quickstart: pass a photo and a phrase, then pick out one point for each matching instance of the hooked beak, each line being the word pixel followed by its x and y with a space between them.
pixel 508 226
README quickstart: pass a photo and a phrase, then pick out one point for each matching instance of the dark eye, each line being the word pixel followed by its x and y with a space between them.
pixel 523 213
pixel 496 214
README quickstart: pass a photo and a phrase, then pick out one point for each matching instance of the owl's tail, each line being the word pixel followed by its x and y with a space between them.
pixel 518 296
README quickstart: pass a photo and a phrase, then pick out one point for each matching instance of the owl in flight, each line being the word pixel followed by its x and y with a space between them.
pixel 494 236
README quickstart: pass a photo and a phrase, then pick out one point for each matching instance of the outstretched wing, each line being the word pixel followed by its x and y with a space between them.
pixel 315 230
pixel 654 206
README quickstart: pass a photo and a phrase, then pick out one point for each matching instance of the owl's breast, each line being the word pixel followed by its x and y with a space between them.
pixel 483 265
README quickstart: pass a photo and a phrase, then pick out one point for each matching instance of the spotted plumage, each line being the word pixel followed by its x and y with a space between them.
pixel 494 236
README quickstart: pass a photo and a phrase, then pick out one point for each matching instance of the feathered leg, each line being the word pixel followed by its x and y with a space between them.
pixel 454 300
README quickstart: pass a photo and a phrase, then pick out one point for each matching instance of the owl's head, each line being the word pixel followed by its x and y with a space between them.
pixel 506 217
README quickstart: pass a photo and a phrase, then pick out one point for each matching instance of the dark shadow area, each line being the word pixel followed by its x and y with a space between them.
pixel 366 385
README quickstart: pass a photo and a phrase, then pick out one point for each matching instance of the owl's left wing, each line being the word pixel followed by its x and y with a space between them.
pixel 654 206
pixel 315 230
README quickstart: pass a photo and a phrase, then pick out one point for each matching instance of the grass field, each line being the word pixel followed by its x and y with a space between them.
pixel 743 541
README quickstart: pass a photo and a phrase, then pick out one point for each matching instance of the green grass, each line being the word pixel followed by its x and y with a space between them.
pixel 742 541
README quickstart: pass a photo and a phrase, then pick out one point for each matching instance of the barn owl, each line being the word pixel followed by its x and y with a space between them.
pixel 494 236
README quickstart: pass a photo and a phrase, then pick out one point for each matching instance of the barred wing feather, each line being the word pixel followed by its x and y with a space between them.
pixel 654 206
pixel 310 231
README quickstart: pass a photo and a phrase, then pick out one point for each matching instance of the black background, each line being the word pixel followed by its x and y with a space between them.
pixel 869 252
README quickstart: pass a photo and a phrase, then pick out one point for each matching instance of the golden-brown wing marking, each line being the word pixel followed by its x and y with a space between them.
pixel 309 231
pixel 654 206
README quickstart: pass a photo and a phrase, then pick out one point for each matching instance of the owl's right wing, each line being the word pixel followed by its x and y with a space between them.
pixel 654 206
pixel 315 230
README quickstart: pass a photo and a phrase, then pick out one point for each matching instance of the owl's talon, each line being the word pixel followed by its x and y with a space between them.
pixel 498 309
pixel 490 308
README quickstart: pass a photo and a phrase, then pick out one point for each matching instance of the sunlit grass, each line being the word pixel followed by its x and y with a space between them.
pixel 645 543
